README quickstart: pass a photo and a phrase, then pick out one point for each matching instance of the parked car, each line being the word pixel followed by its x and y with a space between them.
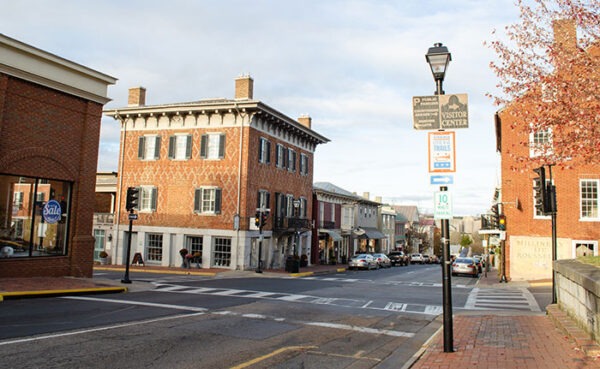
pixel 416 259
pixel 465 266
pixel 382 261
pixel 480 262
pixel 435 259
pixel 426 259
pixel 362 261
pixel 398 258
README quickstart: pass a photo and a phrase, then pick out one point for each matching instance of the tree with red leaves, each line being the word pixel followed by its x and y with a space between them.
pixel 549 71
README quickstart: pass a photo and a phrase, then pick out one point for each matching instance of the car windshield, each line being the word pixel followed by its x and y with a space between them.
pixel 464 261
pixel 361 256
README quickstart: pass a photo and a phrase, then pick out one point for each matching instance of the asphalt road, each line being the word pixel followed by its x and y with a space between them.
pixel 357 319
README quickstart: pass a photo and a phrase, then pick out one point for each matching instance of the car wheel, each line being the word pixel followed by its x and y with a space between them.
pixel 475 275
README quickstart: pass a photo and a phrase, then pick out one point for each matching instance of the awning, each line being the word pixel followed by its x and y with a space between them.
pixel 366 232
pixel 333 234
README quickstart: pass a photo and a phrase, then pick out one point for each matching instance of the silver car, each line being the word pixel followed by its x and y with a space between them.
pixel 382 261
pixel 465 266
pixel 362 261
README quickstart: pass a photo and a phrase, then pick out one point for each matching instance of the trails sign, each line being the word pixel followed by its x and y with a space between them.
pixel 440 112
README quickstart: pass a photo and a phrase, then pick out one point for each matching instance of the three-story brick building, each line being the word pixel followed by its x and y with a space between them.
pixel 203 168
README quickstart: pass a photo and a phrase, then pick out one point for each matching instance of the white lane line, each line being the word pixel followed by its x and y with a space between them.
pixel 83 331
pixel 347 327
pixel 140 303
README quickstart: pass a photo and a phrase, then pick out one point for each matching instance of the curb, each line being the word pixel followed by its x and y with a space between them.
pixel 204 274
pixel 306 274
pixel 66 292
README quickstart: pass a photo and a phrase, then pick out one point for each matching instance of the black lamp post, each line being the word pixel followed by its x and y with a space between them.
pixel 438 58
pixel 296 238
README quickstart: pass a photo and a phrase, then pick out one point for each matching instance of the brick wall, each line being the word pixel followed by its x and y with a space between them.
pixel 46 133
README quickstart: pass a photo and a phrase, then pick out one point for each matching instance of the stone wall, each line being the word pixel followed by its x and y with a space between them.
pixel 578 293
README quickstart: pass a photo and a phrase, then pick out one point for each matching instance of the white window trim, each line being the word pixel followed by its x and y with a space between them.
pixel 214 210
pixel 534 151
pixel 143 191
pixel 589 219
pixel 575 242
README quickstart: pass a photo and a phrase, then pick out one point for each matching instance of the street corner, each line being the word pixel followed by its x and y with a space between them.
pixel 60 292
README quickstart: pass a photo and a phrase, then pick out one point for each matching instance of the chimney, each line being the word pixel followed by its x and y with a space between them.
pixel 137 96
pixel 305 120
pixel 378 199
pixel 244 86
pixel 565 34
pixel 366 195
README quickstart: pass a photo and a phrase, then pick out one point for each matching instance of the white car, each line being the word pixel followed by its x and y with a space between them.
pixel 362 261
pixel 416 259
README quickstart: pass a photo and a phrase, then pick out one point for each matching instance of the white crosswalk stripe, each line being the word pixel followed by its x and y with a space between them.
pixel 501 299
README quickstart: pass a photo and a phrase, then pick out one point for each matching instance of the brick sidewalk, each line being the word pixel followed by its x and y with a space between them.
pixel 505 342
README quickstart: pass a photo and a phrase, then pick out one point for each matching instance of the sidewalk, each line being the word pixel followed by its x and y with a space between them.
pixel 513 340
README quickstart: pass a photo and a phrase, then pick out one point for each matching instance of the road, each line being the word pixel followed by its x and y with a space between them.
pixel 357 319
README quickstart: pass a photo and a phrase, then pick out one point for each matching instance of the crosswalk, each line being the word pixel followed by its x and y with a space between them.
pixel 302 298
pixel 515 299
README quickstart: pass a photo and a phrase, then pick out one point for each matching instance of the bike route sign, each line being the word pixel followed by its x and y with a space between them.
pixel 442 156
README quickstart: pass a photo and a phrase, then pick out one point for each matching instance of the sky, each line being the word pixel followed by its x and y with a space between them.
pixel 352 65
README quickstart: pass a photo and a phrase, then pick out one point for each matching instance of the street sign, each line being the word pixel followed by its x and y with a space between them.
pixel 441 179
pixel 133 216
pixel 440 112
pixel 442 156
pixel 442 205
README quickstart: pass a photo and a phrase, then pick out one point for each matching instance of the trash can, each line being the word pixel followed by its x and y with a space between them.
pixel 292 265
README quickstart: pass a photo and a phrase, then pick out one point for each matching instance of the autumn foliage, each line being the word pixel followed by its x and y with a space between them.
pixel 548 66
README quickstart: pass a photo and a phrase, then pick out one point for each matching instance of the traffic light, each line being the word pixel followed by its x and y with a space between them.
pixel 133 194
pixel 541 203
pixel 263 218
pixel 494 216
pixel 257 219
pixel 502 222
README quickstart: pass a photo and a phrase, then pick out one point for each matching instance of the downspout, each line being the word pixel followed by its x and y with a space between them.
pixel 120 185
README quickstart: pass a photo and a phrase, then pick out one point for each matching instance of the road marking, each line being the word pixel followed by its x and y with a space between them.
pixel 99 329
pixel 270 355
pixel 140 303
pixel 501 299
pixel 347 327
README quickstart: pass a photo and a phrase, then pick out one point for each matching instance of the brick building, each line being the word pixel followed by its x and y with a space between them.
pixel 50 111
pixel 203 168
pixel 528 238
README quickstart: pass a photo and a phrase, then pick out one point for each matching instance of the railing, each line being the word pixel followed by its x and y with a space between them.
pixel 328 224
pixel 291 224
pixel 489 221
pixel 104 218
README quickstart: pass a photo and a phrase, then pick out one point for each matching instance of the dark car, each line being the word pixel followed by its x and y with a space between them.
pixel 398 258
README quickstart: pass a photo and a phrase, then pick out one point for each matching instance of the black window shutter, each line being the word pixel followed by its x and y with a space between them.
pixel 188 146
pixel 203 143
pixel 172 144
pixel 141 147
pixel 197 198
pixel 154 193
pixel 268 152
pixel 157 148
pixel 260 150
pixel 221 146
pixel 218 201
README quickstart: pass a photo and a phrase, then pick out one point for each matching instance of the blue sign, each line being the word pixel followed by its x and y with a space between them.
pixel 51 212
pixel 441 179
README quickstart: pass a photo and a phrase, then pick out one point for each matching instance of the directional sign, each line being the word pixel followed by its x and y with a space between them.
pixel 440 112
pixel 442 157
pixel 442 205
pixel 133 216
pixel 441 179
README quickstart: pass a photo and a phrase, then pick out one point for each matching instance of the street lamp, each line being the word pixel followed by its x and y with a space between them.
pixel 438 57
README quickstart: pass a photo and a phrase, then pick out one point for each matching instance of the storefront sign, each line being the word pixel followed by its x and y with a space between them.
pixel 52 212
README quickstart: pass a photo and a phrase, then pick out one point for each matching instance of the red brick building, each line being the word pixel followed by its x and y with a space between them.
pixel 528 238
pixel 203 168
pixel 50 111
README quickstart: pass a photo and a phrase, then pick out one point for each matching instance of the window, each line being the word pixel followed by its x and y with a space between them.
pixel 180 147
pixel 304 164
pixel 147 199
pixel 291 160
pixel 540 143
pixel 222 252
pixel 303 207
pixel 588 191
pixel 194 244
pixel 99 240
pixel 207 200
pixel 212 146
pixel 154 243
pixel 585 248
pixel 281 156
pixel 290 206
pixel 149 148
pixel 264 151
pixel 264 199
pixel 32 228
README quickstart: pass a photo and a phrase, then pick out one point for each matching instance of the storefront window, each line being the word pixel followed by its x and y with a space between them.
pixel 34 216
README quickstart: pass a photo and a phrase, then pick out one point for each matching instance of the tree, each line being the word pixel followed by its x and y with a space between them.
pixel 466 240
pixel 549 68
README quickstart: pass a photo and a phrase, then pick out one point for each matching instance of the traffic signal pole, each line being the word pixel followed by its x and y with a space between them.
pixel 126 276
